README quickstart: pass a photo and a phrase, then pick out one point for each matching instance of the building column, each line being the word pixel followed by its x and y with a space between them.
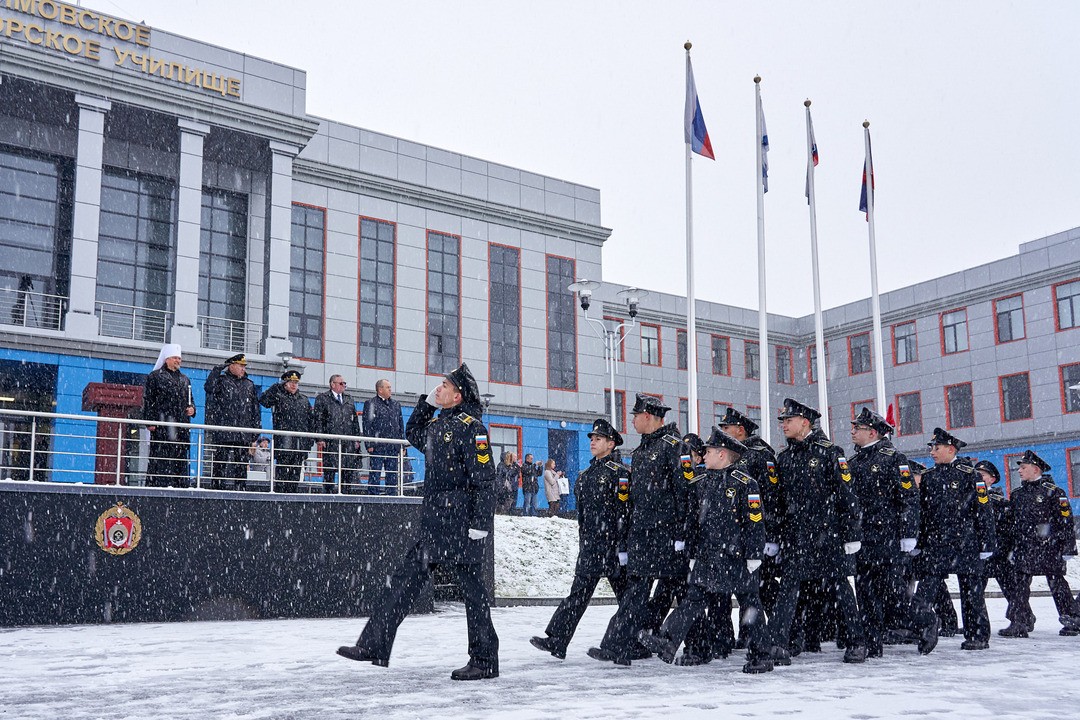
pixel 185 328
pixel 278 249
pixel 80 320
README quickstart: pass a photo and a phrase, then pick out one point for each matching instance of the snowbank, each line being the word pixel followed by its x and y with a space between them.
pixel 535 557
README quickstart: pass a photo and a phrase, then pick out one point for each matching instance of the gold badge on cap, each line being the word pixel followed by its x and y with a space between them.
pixel 118 530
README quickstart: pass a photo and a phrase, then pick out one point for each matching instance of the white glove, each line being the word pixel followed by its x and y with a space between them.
pixel 852 547
pixel 916 552
pixel 679 546
pixel 907 545
pixel 753 565
pixel 692 562
pixel 623 557
pixel 772 549
pixel 985 555
pixel 431 397
pixel 477 534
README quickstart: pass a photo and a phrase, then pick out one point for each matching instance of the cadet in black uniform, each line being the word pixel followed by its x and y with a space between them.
pixel 889 501
pixel 1044 535
pixel 819 528
pixel 458 513
pixel 728 543
pixel 999 565
pixel 656 537
pixel 292 412
pixel 602 491
pixel 956 532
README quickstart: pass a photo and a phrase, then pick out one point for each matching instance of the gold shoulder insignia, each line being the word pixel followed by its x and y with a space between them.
pixel 964 467
pixel 671 440
pixel 612 465
pixel 1050 485
pixel 694 479
pixel 824 442
pixel 888 451
pixel 466 419
pixel 740 476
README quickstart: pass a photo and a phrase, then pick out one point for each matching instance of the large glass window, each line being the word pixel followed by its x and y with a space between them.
pixel 905 343
pixel 378 272
pixel 721 355
pixel 1070 387
pixel 1067 307
pixel 35 238
pixel 620 408
pixel 1015 397
pixel 504 313
pixel 909 410
pixel 223 269
pixel 306 281
pixel 752 360
pixel 561 324
pixel 650 344
pixel 954 335
pixel 719 410
pixel 503 439
pixel 680 349
pixel 443 303
pixel 684 415
pixel 859 354
pixel 785 374
pixel 1009 318
pixel 959 406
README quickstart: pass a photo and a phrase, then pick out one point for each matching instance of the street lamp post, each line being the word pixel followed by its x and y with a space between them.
pixel 613 337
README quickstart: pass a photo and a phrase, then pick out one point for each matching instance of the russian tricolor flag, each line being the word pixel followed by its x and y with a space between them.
pixel 868 169
pixel 697 135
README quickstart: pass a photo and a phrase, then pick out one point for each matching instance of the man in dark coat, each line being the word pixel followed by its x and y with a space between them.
pixel 167 398
pixel 291 412
pixel 728 539
pixel 889 500
pixel 530 485
pixel 383 419
pixel 458 514
pixel 656 536
pixel 335 414
pixel 602 491
pixel 1000 565
pixel 956 533
pixel 820 527
pixel 1044 537
pixel 231 401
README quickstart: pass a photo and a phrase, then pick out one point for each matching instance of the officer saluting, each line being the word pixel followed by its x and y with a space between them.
pixel 602 492
pixel 657 526
pixel 956 533
pixel 458 513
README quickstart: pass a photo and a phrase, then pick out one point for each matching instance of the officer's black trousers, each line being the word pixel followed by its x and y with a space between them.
pixel 288 467
pixel 691 613
pixel 167 464
pixel 1059 589
pixel 230 463
pixel 633 615
pixel 972 603
pixel 564 622
pixel 788 600
pixel 668 590
pixel 406 585
pixel 879 588
pixel 712 633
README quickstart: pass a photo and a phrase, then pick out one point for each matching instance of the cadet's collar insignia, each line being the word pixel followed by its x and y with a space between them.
pixel 624 489
pixel 466 418
pixel 118 530
pixel 447 436
pixel 824 442
pixel 814 462
pixel 730 492
pixel 905 477
pixel 980 490
pixel 754 501
pixel 483 450
pixel 771 467
pixel 740 476
pixel 1066 509
pixel 845 472
pixel 612 465
pixel 671 440
pixel 687 467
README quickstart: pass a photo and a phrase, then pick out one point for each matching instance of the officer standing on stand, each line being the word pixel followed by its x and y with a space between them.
pixel 889 501
pixel 292 412
pixel 1043 525
pixel 821 526
pixel 956 533
pixel 657 531
pixel 602 493
pixel 458 514
pixel 335 414
pixel 167 398
pixel 233 402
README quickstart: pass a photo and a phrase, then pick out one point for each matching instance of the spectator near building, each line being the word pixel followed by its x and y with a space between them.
pixel 383 419
pixel 335 414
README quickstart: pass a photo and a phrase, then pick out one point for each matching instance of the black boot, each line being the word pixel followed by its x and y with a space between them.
pixel 472 672
pixel 757 664
pixel 929 636
pixel 607 656
pixel 1015 630
pixel 353 652
pixel 1072 622
pixel 974 644
pixel 855 654
pixel 548 645
pixel 659 644
pixel 780 656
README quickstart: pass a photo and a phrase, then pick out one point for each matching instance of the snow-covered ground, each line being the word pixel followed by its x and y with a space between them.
pixel 288 669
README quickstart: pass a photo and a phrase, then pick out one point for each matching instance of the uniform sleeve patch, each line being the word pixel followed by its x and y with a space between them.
pixel 845 471
pixel 483 450
pixel 754 501
pixel 980 491
pixel 687 467
pixel 905 477
pixel 771 467
pixel 1066 509
pixel 624 489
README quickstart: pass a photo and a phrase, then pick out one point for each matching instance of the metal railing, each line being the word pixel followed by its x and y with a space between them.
pixel 132 322
pixel 56 447
pixel 230 335
pixel 26 308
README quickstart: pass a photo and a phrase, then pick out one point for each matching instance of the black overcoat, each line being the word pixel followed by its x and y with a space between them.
pixel 292 412
pixel 602 516
pixel 166 398
pixel 231 401
pixel 1043 527
pixel 956 522
pixel 658 505
pixel 727 529
pixel 888 498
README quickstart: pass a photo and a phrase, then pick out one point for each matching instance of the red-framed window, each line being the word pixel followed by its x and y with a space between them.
pixel 785 366
pixel 376 313
pixel 954 331
pixel 721 354
pixel 1070 387
pixel 1009 324
pixel 1014 395
pixel 504 437
pixel 620 408
pixel 651 351
pixel 751 360
pixel 1067 305
pixel 682 350
pixel 859 360
pixel 1012 474
pixel 905 343
pixel 811 362
pixel 615 322
pixel 909 413
pixel 754 413
pixel 959 406
pixel 856 407
pixel 1072 463
pixel 719 410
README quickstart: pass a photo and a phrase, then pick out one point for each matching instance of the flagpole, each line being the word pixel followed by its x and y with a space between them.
pixel 691 322
pixel 819 333
pixel 763 315
pixel 875 301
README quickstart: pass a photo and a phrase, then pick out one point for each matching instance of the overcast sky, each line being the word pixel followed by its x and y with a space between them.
pixel 973 109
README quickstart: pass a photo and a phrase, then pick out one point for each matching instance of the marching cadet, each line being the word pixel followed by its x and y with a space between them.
pixel 729 539
pixel 656 536
pixel 890 523
pixel 820 527
pixel 956 532
pixel 999 565
pixel 602 491
pixel 1043 525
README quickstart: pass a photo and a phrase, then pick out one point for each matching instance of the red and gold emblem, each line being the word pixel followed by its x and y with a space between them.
pixel 118 530
pixel 980 491
pixel 773 478
pixel 845 472
pixel 483 450
pixel 1066 509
